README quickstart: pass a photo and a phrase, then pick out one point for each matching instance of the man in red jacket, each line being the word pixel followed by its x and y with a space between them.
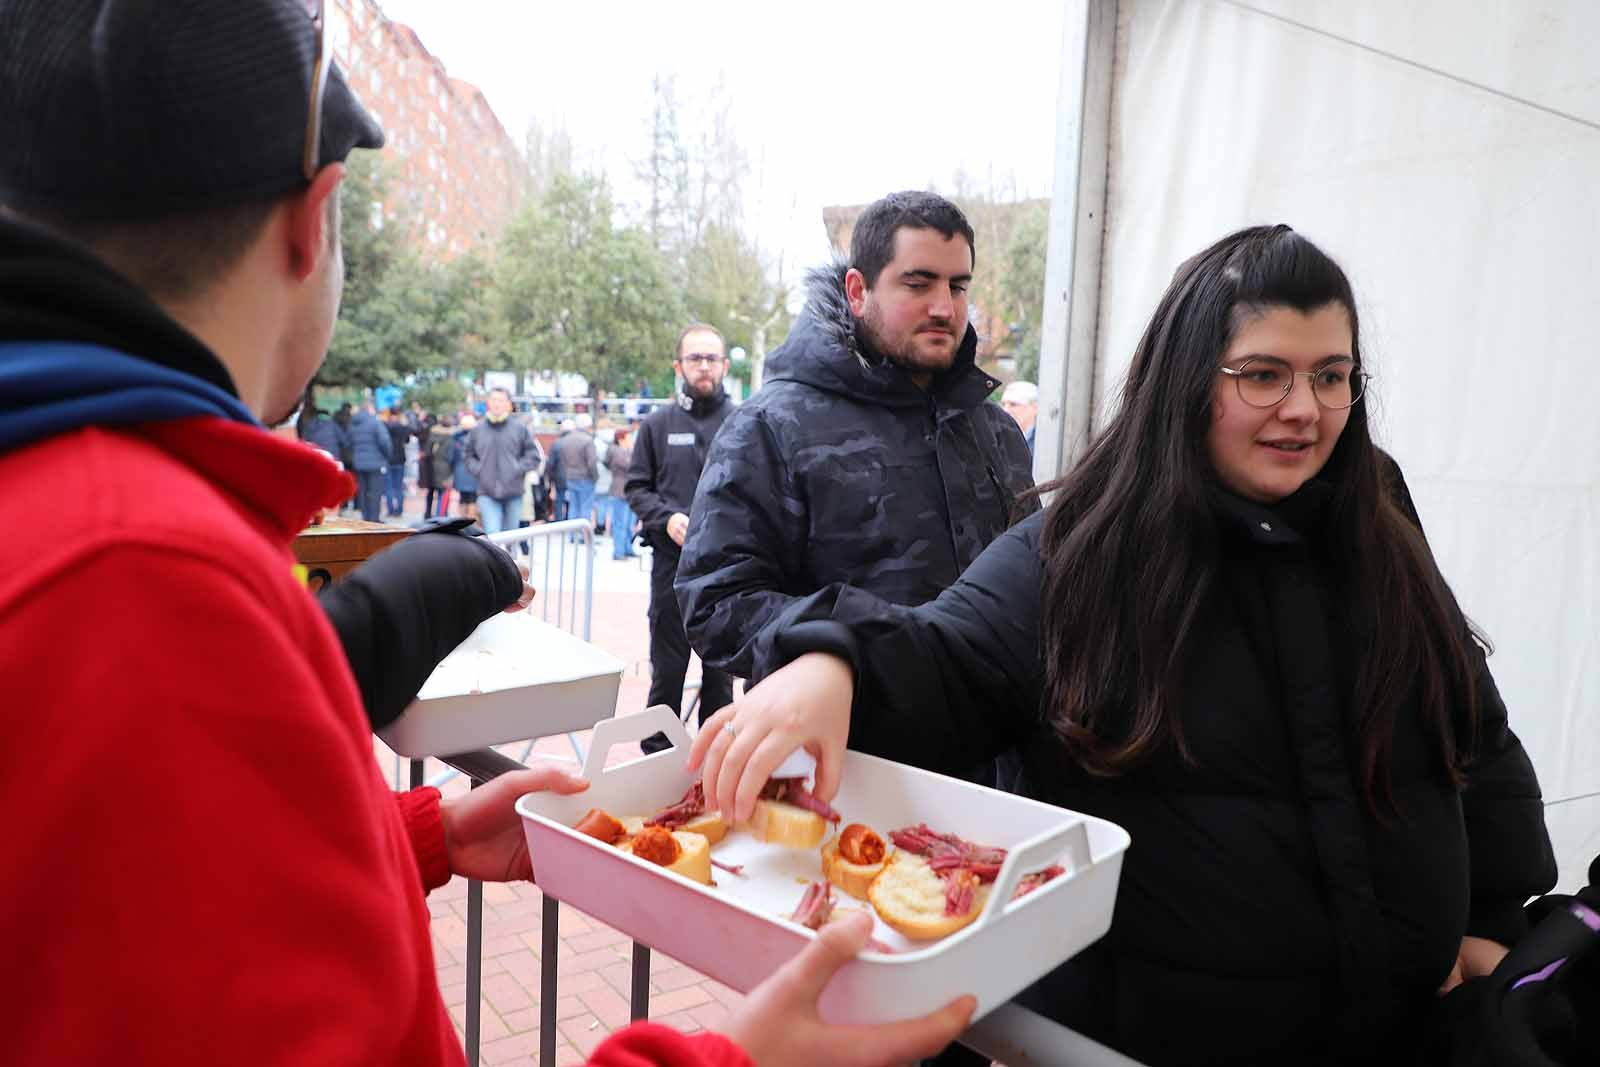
pixel 203 862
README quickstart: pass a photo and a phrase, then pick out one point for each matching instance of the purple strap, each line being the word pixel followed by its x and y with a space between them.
pixel 1585 915
pixel 1539 975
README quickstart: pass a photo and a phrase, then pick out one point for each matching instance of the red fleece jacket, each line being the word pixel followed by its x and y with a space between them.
pixel 203 861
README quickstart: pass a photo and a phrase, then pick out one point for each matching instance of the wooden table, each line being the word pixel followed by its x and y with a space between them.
pixel 338 546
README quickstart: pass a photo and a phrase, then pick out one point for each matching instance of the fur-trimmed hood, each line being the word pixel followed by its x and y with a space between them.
pixel 824 351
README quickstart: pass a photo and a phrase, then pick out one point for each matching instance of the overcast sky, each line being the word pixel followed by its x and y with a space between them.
pixel 834 102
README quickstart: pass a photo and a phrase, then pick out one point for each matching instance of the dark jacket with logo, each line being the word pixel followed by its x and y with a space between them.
pixel 840 469
pixel 498 454
pixel 668 455
pixel 1264 915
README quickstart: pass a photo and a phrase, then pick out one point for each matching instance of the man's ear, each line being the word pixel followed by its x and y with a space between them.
pixel 309 220
pixel 855 291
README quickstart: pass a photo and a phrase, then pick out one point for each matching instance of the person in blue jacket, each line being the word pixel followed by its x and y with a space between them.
pixel 465 482
pixel 369 451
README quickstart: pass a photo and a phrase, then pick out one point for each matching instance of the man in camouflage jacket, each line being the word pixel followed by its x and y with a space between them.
pixel 870 455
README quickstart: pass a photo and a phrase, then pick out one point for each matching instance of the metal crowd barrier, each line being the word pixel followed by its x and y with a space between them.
pixel 560 557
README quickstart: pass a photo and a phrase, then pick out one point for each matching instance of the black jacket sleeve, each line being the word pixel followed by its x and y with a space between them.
pixel 644 495
pixel 943 685
pixel 401 612
pixel 1508 843
pixel 746 528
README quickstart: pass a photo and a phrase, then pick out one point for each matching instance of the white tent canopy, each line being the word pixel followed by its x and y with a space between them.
pixel 1448 156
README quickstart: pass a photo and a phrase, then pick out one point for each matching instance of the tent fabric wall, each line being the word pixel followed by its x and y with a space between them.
pixel 1448 156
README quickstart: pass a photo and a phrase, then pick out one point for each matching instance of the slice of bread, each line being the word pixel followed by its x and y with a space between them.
pixel 853 878
pixel 694 856
pixel 783 824
pixel 711 826
pixel 909 896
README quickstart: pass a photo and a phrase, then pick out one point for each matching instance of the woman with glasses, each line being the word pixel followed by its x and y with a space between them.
pixel 1227 634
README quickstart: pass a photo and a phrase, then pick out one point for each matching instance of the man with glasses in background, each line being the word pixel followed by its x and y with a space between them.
pixel 667 459
pixel 203 861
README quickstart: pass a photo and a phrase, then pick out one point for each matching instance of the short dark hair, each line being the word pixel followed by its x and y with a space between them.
pixel 872 242
pixel 697 327
pixel 177 257
pixel 172 258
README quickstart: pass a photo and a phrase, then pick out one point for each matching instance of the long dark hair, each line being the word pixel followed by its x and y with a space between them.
pixel 1131 548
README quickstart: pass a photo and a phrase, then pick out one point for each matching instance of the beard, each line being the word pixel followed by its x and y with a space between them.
pixel 703 387
pixel 905 351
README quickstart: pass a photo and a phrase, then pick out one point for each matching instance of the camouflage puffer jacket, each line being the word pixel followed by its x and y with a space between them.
pixel 840 469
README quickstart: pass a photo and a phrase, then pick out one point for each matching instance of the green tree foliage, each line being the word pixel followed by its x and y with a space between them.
pixel 1008 281
pixel 1022 287
pixel 566 286
pixel 729 288
pixel 402 316
pixel 693 207
pixel 357 355
pixel 572 291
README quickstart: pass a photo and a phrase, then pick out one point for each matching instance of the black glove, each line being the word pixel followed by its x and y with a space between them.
pixel 405 609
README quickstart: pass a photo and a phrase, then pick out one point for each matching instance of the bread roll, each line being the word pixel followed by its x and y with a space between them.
pixel 692 857
pixel 850 876
pixel 910 897
pixel 783 824
pixel 710 826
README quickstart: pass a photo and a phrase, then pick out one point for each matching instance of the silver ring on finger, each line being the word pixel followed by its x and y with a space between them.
pixel 731 730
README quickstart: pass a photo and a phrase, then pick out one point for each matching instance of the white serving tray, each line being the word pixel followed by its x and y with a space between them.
pixel 515 677
pixel 738 932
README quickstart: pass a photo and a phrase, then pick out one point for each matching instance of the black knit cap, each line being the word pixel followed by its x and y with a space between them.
pixel 123 110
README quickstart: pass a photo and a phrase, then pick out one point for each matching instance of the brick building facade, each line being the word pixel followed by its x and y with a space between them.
pixel 451 165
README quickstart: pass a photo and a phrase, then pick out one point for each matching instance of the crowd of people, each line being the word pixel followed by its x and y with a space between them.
pixel 471 464
pixel 1224 630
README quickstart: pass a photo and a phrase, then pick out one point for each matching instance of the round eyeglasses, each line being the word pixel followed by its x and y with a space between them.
pixel 1264 382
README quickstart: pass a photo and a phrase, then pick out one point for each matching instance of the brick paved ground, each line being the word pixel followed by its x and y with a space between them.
pixel 595 968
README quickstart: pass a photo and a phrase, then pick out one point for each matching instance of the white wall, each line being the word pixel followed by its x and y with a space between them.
pixel 1448 155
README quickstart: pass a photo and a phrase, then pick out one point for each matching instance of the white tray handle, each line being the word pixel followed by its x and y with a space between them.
pixel 631 728
pixel 1035 855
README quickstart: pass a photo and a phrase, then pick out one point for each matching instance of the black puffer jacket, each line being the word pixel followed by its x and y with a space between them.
pixel 840 469
pixel 667 460
pixel 1263 915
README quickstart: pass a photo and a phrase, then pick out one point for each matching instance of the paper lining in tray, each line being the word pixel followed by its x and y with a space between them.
pixel 737 932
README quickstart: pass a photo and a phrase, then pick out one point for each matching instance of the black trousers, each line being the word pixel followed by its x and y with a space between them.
pixel 669 652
